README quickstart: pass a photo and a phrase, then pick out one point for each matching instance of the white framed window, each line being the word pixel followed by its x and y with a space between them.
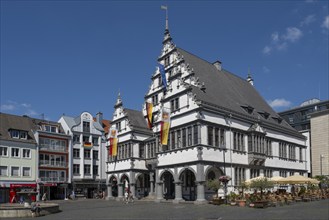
pixel 14 134
pixel 3 171
pixel 14 152
pixel 26 153
pixel 26 171
pixel 23 135
pixel 4 151
pixel 14 171
pixel 87 169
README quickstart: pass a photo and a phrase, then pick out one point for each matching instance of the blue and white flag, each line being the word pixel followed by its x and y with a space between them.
pixel 163 75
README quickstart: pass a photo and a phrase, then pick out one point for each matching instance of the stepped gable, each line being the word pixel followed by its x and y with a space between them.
pixel 137 120
pixel 230 92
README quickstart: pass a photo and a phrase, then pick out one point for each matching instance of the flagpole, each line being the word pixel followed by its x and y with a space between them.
pixel 165 7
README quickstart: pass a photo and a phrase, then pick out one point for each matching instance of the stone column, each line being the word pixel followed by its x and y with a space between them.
pixel 151 184
pixel 200 193
pixel 120 191
pixel 178 192
pixel 159 193
pixel 132 189
pixel 109 192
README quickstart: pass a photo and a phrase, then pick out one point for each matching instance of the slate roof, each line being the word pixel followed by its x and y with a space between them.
pixel 228 91
pixel 13 122
pixel 137 120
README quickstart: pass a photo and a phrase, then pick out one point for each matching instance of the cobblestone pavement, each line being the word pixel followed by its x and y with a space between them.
pixel 102 209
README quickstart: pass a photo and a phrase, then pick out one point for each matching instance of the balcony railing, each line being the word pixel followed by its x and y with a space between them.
pixel 48 163
pixel 56 148
pixel 53 179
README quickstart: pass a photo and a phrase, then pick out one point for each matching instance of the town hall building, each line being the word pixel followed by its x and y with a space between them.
pixel 218 125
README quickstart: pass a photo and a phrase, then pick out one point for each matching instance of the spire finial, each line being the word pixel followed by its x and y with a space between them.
pixel 249 78
pixel 165 7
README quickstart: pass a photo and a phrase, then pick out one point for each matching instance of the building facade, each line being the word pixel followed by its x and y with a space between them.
pixel 54 175
pixel 320 142
pixel 300 118
pixel 18 158
pixel 88 153
pixel 219 125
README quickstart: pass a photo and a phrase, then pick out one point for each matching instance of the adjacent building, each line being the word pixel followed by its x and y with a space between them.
pixel 18 158
pixel 219 125
pixel 301 118
pixel 88 153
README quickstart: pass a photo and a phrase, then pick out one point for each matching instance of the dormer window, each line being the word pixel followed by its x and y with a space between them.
pixel 167 61
pixel 14 134
pixel 248 108
pixel 50 128
pixel 277 119
pixel 264 114
pixel 23 135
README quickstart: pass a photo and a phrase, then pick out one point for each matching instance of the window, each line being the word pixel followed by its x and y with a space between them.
pixel 174 104
pixel 179 139
pixel 3 171
pixel 95 170
pixel 141 151
pixel 217 137
pixel 184 137
pixel 95 154
pixel 95 141
pixel 210 135
pixel 26 153
pixel 53 129
pixel 86 126
pixel 87 169
pixel 222 137
pixel 167 61
pixel 300 154
pixel 3 151
pixel 87 154
pixel 85 139
pixel 118 126
pixel 189 136
pixel 76 153
pixel 195 135
pixel 155 99
pixel 76 169
pixel 23 135
pixel 14 152
pixel 76 138
pixel 26 171
pixel 14 171
pixel 173 141
pixel 14 134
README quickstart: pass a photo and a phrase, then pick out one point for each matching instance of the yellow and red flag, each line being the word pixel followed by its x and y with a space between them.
pixel 113 142
pixel 165 126
pixel 149 111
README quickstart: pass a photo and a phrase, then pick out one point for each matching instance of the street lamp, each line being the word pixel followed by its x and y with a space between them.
pixel 321 157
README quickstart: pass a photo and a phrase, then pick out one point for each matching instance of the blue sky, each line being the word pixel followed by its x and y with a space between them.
pixel 73 56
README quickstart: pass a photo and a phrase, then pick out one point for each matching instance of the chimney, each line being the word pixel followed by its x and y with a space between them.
pixel 218 65
pixel 99 117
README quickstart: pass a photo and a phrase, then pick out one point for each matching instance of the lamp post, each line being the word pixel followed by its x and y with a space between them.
pixel 321 157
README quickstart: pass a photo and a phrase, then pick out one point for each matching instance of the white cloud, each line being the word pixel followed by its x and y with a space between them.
pixel 292 34
pixel 267 50
pixel 308 20
pixel 277 103
pixel 26 105
pixel 266 69
pixel 8 107
pixel 275 37
pixel 325 23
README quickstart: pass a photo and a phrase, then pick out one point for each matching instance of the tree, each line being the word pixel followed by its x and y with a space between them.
pixel 214 185
pixel 261 184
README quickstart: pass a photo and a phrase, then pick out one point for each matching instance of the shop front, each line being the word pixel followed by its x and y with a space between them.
pixel 22 192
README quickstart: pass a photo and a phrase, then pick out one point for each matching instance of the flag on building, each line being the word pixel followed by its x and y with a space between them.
pixel 163 75
pixel 165 126
pixel 113 142
pixel 149 111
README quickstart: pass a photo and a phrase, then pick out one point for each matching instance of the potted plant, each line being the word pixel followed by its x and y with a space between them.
pixel 261 184
pixel 241 200
pixel 215 185
pixel 232 198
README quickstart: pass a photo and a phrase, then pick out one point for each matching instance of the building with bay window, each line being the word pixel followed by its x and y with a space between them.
pixel 219 125
pixel 88 153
